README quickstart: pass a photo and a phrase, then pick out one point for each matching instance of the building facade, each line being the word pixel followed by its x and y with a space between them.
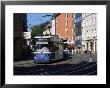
pixel 20 26
pixel 64 27
pixel 47 29
pixel 89 32
pixel 77 31
pixel 52 30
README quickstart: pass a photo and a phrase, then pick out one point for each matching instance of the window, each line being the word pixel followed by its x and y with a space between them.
pixel 66 15
pixel 66 23
pixel 66 30
pixel 75 20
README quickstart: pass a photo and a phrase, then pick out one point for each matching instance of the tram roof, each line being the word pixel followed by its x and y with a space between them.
pixel 43 36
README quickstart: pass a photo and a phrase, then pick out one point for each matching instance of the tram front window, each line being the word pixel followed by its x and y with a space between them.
pixel 42 47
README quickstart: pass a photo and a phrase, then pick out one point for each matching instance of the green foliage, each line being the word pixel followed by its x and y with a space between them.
pixel 37 30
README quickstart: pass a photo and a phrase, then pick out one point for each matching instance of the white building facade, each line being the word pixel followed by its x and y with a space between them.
pixel 89 32
pixel 52 30
pixel 47 29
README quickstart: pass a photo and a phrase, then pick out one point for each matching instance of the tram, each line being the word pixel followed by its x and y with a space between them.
pixel 48 48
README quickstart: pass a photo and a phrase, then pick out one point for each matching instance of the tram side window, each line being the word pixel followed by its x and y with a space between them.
pixel 55 48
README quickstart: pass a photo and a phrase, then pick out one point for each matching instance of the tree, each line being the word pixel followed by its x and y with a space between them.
pixel 36 30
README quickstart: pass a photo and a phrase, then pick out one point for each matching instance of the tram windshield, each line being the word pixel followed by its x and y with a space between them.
pixel 42 47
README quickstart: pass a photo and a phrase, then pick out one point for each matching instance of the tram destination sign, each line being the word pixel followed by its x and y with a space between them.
pixel 42 39
pixel 41 42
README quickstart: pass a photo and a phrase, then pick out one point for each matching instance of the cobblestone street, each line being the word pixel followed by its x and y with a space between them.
pixel 77 64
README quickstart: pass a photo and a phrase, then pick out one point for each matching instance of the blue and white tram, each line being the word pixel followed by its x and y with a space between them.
pixel 42 52
pixel 48 49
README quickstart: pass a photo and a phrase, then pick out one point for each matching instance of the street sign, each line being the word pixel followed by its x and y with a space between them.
pixel 27 35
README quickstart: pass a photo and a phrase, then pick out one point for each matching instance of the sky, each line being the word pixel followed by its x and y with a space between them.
pixel 37 18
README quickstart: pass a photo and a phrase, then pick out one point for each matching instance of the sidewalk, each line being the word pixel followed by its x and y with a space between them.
pixel 26 63
pixel 77 58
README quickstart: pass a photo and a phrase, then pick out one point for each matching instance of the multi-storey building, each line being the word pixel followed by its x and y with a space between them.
pixel 89 35
pixel 20 26
pixel 64 26
pixel 77 31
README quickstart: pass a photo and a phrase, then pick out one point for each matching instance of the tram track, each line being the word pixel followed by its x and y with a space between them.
pixel 78 69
